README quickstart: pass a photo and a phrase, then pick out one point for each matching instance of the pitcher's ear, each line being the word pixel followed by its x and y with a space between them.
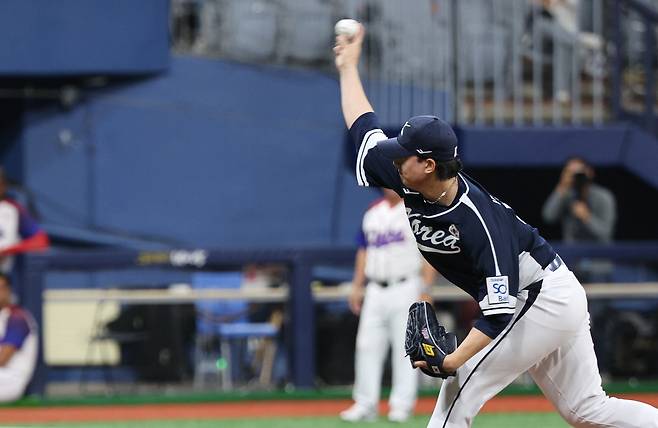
pixel 430 165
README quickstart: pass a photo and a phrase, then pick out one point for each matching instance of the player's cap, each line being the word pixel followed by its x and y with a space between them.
pixel 423 136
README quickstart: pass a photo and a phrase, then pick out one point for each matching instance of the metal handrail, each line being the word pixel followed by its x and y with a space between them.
pixel 340 293
pixel 299 294
pixel 644 9
pixel 650 20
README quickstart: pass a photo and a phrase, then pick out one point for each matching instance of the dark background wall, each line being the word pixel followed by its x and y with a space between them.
pixel 526 188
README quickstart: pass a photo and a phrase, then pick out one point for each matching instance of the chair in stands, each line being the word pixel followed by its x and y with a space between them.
pixel 245 30
pixel 227 343
pixel 306 29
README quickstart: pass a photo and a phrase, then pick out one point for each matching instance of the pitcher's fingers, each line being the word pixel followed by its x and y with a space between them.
pixel 342 40
pixel 420 364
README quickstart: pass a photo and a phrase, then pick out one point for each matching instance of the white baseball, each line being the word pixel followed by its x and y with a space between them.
pixel 348 27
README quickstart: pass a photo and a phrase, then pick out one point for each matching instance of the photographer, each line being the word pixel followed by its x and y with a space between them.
pixel 588 213
pixel 587 210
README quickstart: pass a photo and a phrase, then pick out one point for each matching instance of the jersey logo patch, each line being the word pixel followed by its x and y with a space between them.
pixel 498 289
pixel 385 238
pixel 431 240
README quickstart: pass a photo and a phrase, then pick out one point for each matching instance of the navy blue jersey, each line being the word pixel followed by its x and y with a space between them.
pixel 478 243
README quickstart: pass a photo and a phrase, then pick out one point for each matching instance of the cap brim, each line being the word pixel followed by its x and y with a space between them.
pixel 392 149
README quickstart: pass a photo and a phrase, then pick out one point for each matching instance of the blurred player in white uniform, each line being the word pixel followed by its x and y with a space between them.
pixel 387 280
pixel 19 232
pixel 18 346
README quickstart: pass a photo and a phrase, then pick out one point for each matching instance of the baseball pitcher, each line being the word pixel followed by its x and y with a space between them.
pixel 533 309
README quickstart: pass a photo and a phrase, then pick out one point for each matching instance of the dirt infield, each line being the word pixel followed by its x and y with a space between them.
pixel 250 409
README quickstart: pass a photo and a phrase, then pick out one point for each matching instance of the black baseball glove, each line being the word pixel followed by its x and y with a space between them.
pixel 427 340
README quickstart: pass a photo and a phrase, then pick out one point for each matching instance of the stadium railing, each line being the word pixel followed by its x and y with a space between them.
pixel 300 296
pixel 299 261
pixel 635 25
pixel 470 61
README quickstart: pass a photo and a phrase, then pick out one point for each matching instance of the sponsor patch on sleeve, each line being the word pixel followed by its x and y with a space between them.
pixel 498 289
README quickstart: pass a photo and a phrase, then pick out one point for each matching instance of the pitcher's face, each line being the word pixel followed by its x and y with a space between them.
pixel 413 170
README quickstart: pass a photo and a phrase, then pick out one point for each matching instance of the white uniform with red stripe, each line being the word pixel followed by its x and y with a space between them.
pixel 392 267
pixel 15 225
pixel 17 329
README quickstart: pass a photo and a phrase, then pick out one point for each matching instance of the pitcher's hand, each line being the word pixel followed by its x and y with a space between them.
pixel 348 50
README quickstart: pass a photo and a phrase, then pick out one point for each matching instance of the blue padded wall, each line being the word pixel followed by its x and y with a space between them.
pixel 209 154
pixel 83 36
pixel 542 146
pixel 622 144
pixel 213 153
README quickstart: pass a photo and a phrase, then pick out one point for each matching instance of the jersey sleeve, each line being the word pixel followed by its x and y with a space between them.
pixel 27 226
pixel 495 258
pixel 372 169
pixel 361 241
pixel 16 332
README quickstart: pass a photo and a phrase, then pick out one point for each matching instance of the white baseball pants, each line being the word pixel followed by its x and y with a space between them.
pixel 382 324
pixel 12 386
pixel 551 340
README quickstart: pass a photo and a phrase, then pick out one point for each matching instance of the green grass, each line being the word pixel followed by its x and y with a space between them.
pixel 496 420
pixel 312 394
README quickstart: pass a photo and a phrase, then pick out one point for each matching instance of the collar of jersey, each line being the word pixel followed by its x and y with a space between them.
pixel 463 195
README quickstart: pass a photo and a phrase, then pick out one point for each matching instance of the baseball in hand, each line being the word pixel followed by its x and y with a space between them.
pixel 348 27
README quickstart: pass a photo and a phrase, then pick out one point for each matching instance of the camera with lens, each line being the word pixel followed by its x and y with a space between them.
pixel 580 182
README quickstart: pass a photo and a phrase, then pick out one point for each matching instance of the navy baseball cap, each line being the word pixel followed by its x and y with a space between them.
pixel 423 136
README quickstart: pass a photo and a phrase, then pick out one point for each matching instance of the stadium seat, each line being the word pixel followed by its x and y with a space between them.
pixel 306 30
pixel 226 341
